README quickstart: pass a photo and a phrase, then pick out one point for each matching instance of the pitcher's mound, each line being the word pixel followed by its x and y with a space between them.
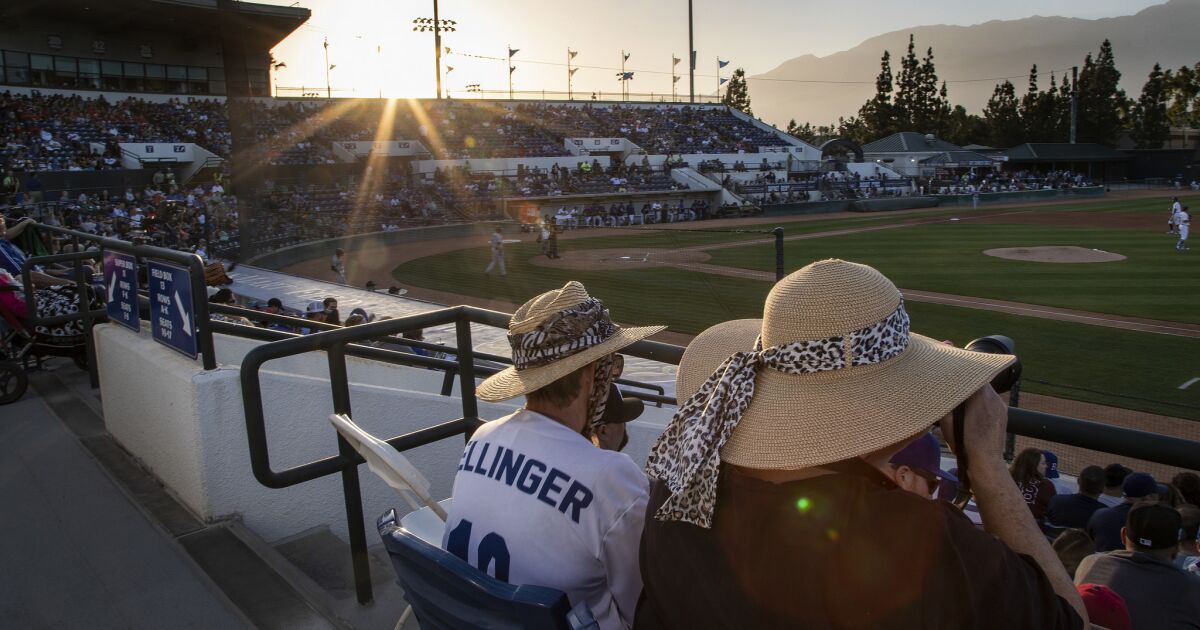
pixel 1055 254
pixel 618 259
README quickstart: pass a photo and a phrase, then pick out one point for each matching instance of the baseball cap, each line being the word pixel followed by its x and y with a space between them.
pixel 1104 607
pixel 361 313
pixel 621 409
pixel 923 453
pixel 1051 464
pixel 1154 526
pixel 315 307
pixel 1140 484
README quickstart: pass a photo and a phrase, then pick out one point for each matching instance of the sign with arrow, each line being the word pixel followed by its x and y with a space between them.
pixel 172 316
pixel 120 288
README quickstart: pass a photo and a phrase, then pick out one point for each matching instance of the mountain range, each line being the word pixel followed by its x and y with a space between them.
pixel 973 58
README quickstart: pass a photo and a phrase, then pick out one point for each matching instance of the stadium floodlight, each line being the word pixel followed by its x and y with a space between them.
pixel 436 26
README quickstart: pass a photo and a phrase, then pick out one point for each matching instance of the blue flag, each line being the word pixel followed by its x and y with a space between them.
pixel 721 64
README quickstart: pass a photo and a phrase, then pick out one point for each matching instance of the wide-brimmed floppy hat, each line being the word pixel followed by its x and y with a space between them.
pixel 829 373
pixel 553 335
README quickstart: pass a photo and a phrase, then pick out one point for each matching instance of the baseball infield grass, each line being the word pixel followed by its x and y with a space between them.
pixel 1127 369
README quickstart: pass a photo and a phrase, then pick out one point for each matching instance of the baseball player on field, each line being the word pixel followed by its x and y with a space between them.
pixel 1173 221
pixel 1182 219
pixel 496 240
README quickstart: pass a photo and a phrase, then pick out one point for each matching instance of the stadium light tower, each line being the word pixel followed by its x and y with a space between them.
pixel 328 87
pixel 436 26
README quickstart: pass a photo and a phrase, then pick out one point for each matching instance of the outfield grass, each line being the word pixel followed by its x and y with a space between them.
pixel 1121 363
pixel 1154 281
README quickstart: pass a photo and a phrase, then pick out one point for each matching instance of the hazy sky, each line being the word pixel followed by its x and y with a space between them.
pixel 375 50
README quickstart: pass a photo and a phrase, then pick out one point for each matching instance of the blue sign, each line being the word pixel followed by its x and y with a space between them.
pixel 120 290
pixel 172 316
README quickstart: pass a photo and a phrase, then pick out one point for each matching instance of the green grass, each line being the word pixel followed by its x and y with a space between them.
pixel 1126 369
pixel 1154 281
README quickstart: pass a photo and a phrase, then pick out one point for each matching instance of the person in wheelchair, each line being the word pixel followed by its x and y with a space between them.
pixel 54 295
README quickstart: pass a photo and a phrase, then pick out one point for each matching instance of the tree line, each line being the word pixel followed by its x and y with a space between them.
pixel 915 99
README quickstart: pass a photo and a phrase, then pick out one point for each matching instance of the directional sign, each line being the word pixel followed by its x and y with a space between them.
pixel 172 318
pixel 120 289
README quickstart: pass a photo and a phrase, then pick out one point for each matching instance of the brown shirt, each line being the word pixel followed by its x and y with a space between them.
pixel 838 551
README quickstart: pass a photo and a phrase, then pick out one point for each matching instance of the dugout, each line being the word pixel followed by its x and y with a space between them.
pixel 1096 161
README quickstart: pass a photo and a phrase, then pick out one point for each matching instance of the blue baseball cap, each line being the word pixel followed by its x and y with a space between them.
pixel 1140 484
pixel 923 453
pixel 1051 464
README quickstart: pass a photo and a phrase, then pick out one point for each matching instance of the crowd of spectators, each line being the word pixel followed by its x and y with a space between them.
pixel 57 133
pixel 986 181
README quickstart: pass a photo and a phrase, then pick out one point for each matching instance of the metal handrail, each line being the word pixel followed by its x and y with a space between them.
pixel 192 262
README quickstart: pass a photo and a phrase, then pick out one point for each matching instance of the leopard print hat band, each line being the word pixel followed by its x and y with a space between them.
pixel 687 456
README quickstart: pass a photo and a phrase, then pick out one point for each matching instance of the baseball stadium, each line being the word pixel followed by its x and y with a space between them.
pixel 260 323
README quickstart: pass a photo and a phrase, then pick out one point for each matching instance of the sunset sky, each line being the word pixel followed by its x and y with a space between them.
pixel 376 52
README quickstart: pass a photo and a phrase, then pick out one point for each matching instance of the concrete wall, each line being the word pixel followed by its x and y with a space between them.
pixel 1022 195
pixel 187 426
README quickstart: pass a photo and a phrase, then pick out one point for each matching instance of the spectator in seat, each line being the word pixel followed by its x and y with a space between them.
pixel 1105 525
pixel 917 467
pixel 1029 472
pixel 1072 546
pixel 1143 573
pixel 535 500
pixel 1105 608
pixel 1074 510
pixel 1060 486
pixel 1114 479
pixel 769 505
pixel 1189 540
pixel 1188 484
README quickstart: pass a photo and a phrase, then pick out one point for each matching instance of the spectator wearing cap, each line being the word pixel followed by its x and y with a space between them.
pixel 1074 510
pixel 1060 486
pixel 1114 478
pixel 1105 608
pixel 1189 540
pixel 1160 596
pixel 314 312
pixel 1105 525
pixel 1028 470
pixel 275 307
pixel 770 506
pixel 917 467
pixel 533 491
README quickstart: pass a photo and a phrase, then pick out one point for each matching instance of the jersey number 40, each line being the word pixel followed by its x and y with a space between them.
pixel 491 549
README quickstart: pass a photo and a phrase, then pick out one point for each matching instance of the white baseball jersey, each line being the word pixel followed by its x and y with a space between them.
pixel 496 241
pixel 536 503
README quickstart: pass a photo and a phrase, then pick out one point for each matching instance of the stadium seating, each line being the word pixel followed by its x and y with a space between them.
pixel 447 593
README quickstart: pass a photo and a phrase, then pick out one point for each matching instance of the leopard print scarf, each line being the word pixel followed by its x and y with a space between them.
pixel 687 456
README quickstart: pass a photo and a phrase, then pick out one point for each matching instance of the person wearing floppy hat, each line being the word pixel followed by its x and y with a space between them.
pixel 534 500
pixel 1159 594
pixel 769 505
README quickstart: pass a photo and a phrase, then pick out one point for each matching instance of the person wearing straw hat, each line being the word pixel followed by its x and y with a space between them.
pixel 769 505
pixel 535 500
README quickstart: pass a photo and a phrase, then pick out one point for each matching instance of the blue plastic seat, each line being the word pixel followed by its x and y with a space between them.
pixel 446 593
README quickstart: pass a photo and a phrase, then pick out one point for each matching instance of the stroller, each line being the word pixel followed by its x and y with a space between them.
pixel 21 342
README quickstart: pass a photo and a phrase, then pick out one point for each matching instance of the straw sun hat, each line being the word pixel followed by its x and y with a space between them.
pixel 546 325
pixel 801 420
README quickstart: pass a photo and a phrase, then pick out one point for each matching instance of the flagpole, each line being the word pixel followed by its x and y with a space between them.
pixel 624 89
pixel 672 77
pixel 691 58
pixel 569 73
pixel 510 71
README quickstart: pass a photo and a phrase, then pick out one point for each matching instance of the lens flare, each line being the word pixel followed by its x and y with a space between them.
pixel 803 504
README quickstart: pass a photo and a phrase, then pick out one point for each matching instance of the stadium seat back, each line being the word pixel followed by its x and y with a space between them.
pixel 447 593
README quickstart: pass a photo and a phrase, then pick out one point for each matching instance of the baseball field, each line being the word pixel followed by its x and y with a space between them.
pixel 1123 331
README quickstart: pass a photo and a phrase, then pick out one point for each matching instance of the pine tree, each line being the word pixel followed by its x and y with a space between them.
pixel 1002 115
pixel 1183 91
pixel 1151 126
pixel 737 95
pixel 1100 101
pixel 908 89
pixel 1062 118
pixel 878 114
pixel 928 102
pixel 853 129
pixel 963 128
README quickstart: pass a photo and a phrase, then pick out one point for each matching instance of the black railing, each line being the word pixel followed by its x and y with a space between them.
pixel 80 242
pixel 338 344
